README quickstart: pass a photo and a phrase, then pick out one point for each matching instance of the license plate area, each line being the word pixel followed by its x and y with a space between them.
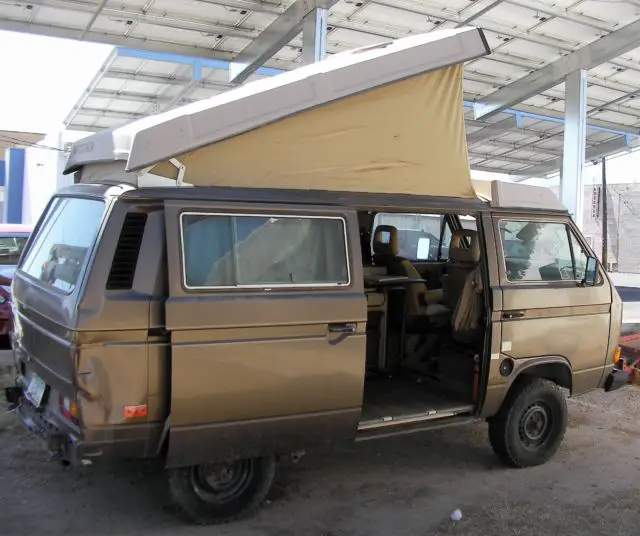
pixel 37 391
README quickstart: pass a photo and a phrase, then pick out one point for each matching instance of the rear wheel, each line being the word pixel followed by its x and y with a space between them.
pixel 221 492
pixel 530 425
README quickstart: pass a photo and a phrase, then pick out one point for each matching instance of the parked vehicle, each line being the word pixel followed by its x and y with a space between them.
pixel 222 306
pixel 13 238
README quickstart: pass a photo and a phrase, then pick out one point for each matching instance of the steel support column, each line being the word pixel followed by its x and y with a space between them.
pixel 14 178
pixel 575 131
pixel 314 36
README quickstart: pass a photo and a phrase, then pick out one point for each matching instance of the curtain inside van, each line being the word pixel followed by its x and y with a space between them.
pixel 225 251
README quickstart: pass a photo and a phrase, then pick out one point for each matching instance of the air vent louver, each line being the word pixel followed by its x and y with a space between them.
pixel 125 259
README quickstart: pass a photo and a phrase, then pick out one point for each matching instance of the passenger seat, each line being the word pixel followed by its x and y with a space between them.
pixel 465 288
pixel 462 262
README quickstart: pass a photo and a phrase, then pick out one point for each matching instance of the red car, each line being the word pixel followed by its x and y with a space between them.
pixel 13 238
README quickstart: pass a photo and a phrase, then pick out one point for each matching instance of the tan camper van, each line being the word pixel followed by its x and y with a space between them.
pixel 301 261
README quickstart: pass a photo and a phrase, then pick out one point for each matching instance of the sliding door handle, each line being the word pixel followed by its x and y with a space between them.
pixel 510 315
pixel 343 328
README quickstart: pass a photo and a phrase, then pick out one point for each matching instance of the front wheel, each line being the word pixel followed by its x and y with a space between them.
pixel 530 425
pixel 221 492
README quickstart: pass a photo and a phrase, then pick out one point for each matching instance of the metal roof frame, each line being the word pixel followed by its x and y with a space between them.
pixel 535 43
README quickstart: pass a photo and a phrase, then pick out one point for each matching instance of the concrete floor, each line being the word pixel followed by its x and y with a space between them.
pixel 406 486
pixel 402 487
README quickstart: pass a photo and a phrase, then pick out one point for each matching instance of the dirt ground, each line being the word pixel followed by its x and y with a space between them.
pixel 396 487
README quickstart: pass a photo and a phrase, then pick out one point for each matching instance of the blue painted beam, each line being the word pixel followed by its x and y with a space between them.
pixel 14 179
pixel 186 60
pixel 541 117
pixel 2 172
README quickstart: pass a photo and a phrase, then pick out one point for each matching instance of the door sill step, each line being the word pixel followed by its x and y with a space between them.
pixel 417 427
pixel 402 420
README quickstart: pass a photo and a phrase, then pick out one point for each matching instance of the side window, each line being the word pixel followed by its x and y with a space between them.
pixel 418 235
pixel 540 251
pixel 580 256
pixel 263 251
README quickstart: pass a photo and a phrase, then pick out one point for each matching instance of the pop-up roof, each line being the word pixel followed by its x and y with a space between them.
pixel 387 118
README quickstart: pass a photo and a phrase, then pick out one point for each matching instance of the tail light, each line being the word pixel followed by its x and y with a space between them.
pixel 69 409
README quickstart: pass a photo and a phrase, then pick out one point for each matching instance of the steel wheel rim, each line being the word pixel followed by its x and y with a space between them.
pixel 221 483
pixel 536 424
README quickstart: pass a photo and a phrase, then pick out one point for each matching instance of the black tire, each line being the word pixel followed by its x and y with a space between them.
pixel 530 425
pixel 236 491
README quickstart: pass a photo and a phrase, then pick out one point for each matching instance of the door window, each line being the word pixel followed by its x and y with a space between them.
pixel 580 256
pixel 536 251
pixel 263 251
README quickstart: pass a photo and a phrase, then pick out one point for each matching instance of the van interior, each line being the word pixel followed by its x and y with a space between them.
pixel 426 318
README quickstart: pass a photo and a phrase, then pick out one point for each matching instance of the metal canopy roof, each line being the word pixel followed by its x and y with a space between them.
pixel 171 52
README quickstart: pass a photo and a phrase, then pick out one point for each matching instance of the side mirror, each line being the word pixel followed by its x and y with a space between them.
pixel 590 272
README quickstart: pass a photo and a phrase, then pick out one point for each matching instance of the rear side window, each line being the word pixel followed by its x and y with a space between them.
pixel 263 251
pixel 61 247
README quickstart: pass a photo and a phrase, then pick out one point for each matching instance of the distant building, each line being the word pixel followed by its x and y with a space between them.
pixel 623 224
pixel 8 140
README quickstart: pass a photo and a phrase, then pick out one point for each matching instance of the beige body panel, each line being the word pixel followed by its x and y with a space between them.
pixel 559 322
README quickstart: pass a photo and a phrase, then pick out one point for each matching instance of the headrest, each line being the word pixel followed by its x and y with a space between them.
pixel 459 254
pixel 385 240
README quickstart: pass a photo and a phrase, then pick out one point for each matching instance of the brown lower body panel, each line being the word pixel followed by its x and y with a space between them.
pixel 193 445
pixel 134 441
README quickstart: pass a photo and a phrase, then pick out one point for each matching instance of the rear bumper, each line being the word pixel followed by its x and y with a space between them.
pixel 615 380
pixel 56 437
pixel 64 444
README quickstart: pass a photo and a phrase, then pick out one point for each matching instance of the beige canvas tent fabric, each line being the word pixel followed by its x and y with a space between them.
pixel 405 137
pixel 482 188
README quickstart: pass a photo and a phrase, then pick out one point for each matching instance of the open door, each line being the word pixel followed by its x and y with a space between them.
pixel 267 319
pixel 545 311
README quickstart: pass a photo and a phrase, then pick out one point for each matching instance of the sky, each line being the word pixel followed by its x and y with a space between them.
pixel 42 78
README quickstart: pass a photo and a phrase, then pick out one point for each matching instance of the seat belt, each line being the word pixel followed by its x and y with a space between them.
pixel 468 311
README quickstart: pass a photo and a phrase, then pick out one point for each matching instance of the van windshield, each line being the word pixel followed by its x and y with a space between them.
pixel 64 240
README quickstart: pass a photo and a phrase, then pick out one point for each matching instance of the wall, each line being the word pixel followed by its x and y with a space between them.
pixel 40 179
pixel 623 222
pixel 43 173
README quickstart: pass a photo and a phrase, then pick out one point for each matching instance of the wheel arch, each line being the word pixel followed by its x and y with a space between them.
pixel 556 369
